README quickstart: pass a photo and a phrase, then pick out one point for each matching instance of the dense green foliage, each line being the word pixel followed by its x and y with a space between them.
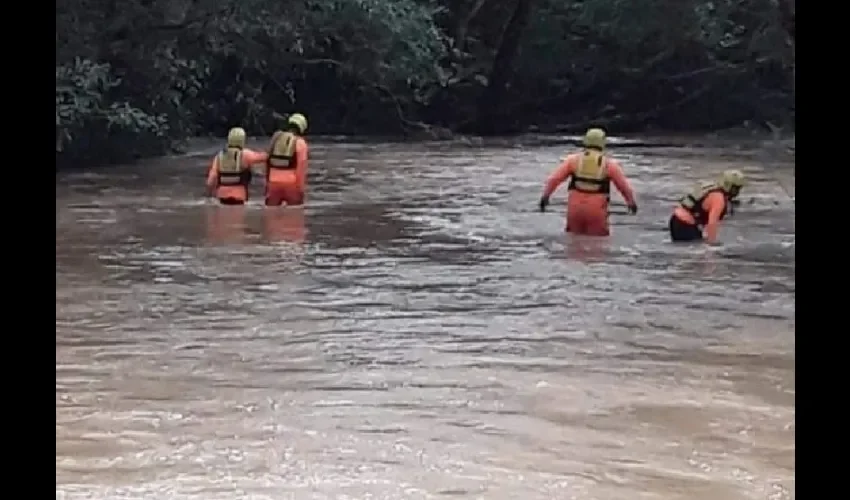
pixel 134 77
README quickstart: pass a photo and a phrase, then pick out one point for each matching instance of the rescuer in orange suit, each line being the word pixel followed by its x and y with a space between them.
pixel 286 166
pixel 591 173
pixel 229 175
pixel 698 214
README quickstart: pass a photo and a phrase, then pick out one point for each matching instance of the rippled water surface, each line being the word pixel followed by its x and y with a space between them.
pixel 421 332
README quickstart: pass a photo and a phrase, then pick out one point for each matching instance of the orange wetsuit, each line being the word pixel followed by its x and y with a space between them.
pixel 687 224
pixel 587 209
pixel 232 189
pixel 286 176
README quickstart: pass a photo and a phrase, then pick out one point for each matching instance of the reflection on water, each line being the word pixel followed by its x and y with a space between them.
pixel 234 225
pixel 420 331
pixel 284 225
pixel 226 224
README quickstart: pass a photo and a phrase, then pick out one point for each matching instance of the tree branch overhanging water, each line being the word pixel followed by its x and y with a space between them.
pixel 135 77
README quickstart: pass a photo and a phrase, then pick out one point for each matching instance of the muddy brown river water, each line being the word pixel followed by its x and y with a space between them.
pixel 421 332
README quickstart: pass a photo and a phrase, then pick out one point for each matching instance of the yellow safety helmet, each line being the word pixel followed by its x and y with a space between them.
pixel 236 138
pixel 731 181
pixel 594 138
pixel 299 121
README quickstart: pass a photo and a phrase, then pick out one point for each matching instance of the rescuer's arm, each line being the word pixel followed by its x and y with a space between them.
pixel 713 206
pixel 561 174
pixel 252 157
pixel 618 177
pixel 212 176
pixel 301 164
pixel 255 159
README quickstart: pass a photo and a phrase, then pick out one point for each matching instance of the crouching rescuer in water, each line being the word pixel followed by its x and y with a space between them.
pixel 697 216
pixel 286 167
pixel 230 173
pixel 591 173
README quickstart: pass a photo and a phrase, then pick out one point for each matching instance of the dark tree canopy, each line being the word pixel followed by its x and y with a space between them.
pixel 136 77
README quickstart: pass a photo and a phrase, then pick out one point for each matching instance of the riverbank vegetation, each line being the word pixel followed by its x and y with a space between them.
pixel 135 77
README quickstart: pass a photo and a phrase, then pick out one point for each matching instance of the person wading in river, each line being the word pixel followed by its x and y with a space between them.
pixel 697 216
pixel 230 173
pixel 286 166
pixel 591 173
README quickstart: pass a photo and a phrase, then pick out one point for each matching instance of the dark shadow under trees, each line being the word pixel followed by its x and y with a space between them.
pixel 135 77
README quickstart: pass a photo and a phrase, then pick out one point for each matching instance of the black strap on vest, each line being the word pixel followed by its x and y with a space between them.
pixel 700 215
pixel 289 166
pixel 243 178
